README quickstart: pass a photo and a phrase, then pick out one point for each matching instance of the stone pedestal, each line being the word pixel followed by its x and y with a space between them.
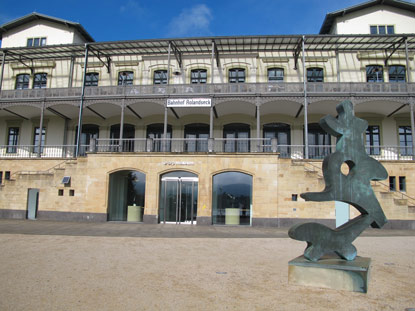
pixel 330 272
pixel 232 216
pixel 134 213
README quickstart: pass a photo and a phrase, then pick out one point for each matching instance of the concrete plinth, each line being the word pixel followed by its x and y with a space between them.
pixel 330 272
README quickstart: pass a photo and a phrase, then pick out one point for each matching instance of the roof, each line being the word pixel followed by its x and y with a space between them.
pixel 223 45
pixel 330 17
pixel 36 16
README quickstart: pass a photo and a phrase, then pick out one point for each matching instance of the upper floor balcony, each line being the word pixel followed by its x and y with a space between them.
pixel 224 89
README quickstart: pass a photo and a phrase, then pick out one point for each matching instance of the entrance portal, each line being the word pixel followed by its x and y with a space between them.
pixel 178 198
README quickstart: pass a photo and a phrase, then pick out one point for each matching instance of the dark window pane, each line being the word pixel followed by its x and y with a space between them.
pixel 239 131
pixel 13 139
pixel 198 76
pixel 236 75
pixel 373 30
pixel 405 140
pixel 315 75
pixel 373 140
pixel 43 41
pixel 160 77
pixel 36 41
pixel 36 139
pixel 374 73
pixel 125 78
pixel 232 198
pixel 39 81
pixel 382 30
pixel 91 79
pixel 397 74
pixel 30 42
pixel 22 82
pixel 275 74
pixel 391 30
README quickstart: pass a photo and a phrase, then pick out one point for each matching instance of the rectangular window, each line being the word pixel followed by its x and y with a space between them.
pixel 397 73
pixel 41 41
pixel 91 79
pixel 1 177
pixel 22 82
pixel 374 73
pixel 392 183
pixel 39 80
pixel 382 29
pixel 315 75
pixel 125 78
pixel 275 75
pixel 160 77
pixel 237 75
pixel 405 140
pixel 7 175
pixel 36 140
pixel 402 183
pixel 13 139
pixel 198 76
pixel 373 140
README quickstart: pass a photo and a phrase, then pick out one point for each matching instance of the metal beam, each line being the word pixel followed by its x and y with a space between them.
pixel 305 102
pixel 177 53
pixel 175 113
pixel 58 113
pixel 216 54
pixel 134 112
pixel 408 70
pixel 299 111
pixel 297 52
pixel 215 112
pixel 2 68
pixel 395 111
pixel 395 46
pixel 106 63
pixel 97 113
pixel 16 114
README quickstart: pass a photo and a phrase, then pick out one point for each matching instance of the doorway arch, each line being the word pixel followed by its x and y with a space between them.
pixel 126 196
pixel 178 197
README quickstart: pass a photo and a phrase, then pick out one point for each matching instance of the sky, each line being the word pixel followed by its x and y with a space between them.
pixel 113 20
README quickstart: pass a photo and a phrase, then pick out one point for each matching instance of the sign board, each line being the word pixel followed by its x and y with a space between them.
pixel 189 102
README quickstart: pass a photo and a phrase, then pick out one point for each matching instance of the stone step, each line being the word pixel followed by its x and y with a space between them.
pixel 401 202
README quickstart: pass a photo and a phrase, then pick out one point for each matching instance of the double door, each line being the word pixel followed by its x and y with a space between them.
pixel 178 200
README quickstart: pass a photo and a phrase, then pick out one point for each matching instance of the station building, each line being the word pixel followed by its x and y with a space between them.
pixel 206 131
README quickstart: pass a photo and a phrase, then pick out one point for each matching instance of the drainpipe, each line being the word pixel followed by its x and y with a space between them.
pixel 305 104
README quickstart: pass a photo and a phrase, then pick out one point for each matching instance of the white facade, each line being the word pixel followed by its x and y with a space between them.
pixel 359 22
pixel 53 32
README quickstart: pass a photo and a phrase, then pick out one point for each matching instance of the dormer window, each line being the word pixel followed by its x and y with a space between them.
pixel 36 41
pixel 382 29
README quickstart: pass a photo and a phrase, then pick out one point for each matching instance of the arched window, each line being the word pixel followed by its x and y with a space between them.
pixel 125 78
pixel 196 135
pixel 198 76
pixel 22 81
pixel 155 131
pixel 91 79
pixel 39 80
pixel 318 141
pixel 397 73
pixel 232 199
pixel 374 73
pixel 280 131
pixel 126 196
pixel 89 131
pixel 236 137
pixel 128 135
pixel 315 75
pixel 236 75
pixel 275 74
pixel 160 77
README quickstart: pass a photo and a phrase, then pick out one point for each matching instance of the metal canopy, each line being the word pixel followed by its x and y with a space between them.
pixel 223 45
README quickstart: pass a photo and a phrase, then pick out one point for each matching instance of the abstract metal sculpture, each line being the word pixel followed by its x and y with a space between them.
pixel 353 188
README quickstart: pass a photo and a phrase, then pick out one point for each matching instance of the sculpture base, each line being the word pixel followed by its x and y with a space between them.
pixel 330 272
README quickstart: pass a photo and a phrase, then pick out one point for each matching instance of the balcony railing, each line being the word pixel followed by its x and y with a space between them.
pixel 209 89
pixel 191 146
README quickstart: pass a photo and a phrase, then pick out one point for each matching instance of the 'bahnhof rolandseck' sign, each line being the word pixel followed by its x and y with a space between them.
pixel 189 102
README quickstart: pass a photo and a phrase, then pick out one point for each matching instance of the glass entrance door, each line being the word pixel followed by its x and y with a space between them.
pixel 178 199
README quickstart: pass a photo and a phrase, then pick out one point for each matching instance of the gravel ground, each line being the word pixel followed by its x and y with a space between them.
pixel 55 272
